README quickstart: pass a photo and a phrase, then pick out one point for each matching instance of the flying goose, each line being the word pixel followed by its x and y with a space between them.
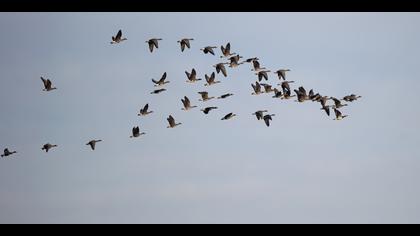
pixel 268 88
pixel 205 96
pixel 225 96
pixel 47 85
pixel 256 66
pixel 338 115
pixel 267 119
pixel 92 143
pixel 153 43
pixel 257 89
pixel 259 114
pixel 161 82
pixel 282 73
pixel 351 98
pixel 211 79
pixel 234 61
pixel 7 153
pixel 262 74
pixel 277 93
pixel 208 49
pixel 226 51
pixel 323 100
pixel 228 116
pixel 337 103
pixel 192 78
pixel 287 95
pixel 249 60
pixel 221 68
pixel 187 104
pixel 172 123
pixel 144 111
pixel 136 132
pixel 47 147
pixel 208 109
pixel 157 91
pixel 301 94
pixel 117 38
pixel 184 42
pixel 285 85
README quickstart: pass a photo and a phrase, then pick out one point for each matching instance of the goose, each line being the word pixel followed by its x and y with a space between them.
pixel 184 42
pixel 351 98
pixel 220 67
pixel 262 74
pixel 205 96
pixel 267 119
pixel 316 98
pixel 161 82
pixel 257 88
pixel 256 66
pixel 47 147
pixel 226 51
pixel 144 111
pixel 157 91
pixel 211 79
pixel 326 109
pixel 225 96
pixel 285 85
pixel 136 132
pixel 187 104
pixel 301 94
pixel 153 43
pixel 234 61
pixel 249 60
pixel 287 95
pixel 259 114
pixel 282 73
pixel 208 49
pixel 192 78
pixel 277 93
pixel 172 123
pixel 7 153
pixel 228 116
pixel 117 38
pixel 47 85
pixel 337 103
pixel 92 143
pixel 323 100
pixel 338 115
pixel 208 109
pixel 268 88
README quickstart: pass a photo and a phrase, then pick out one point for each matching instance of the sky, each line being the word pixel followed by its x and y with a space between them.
pixel 304 168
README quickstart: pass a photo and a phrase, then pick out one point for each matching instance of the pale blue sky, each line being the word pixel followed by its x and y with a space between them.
pixel 305 168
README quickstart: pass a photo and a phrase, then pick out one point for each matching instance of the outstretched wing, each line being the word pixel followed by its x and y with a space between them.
pixel 119 35
pixel 163 78
pixel 183 45
pixel 44 81
pixel 151 46
pixel 146 107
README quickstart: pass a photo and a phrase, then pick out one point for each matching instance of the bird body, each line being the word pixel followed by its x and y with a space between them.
pixel 172 123
pixel 192 77
pixel 184 42
pixel 47 85
pixel 220 67
pixel 228 116
pixel 157 91
pixel 267 119
pixel 208 109
pixel 92 143
pixel 262 75
pixel 282 73
pixel 226 51
pixel 257 88
pixel 259 114
pixel 211 80
pixel 208 49
pixel 118 38
pixel 205 96
pixel 162 81
pixel 351 98
pixel 136 132
pixel 47 147
pixel 153 43
pixel 225 96
pixel 338 115
pixel 187 104
pixel 7 153
pixel 144 111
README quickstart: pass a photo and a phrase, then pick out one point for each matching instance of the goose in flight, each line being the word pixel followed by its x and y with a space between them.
pixel 249 60
pixel 285 85
pixel 205 96
pixel 172 123
pixel 337 103
pixel 208 49
pixel 226 51
pixel 228 116
pixel 136 132
pixel 208 109
pixel 192 78
pixel 162 81
pixel 187 104
pixel 267 119
pixel 47 85
pixel 234 61
pixel 225 96
pixel 277 93
pixel 351 98
pixel 282 73
pixel 323 100
pixel 47 147
pixel 256 66
pixel 118 38
pixel 144 111
pixel 268 88
pixel 301 94
pixel 338 115
pixel 287 95
pixel 262 74
pixel 7 153
pixel 259 114
pixel 92 143
pixel 211 79
pixel 184 42
pixel 153 43
pixel 157 91
pixel 220 67
pixel 257 88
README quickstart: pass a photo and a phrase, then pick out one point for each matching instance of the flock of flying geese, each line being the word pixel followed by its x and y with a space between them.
pixel 284 92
